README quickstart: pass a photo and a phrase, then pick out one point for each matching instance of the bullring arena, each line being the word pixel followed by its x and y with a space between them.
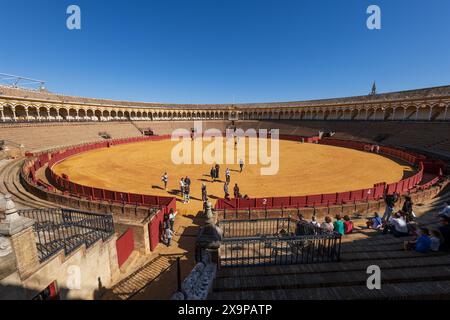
pixel 81 185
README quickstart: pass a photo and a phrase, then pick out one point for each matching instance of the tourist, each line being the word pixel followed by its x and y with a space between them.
pixel 213 174
pixel 339 224
pixel 390 201
pixel 236 192
pixel 444 229
pixel 169 235
pixel 407 209
pixel 204 193
pixel 225 190
pixel 314 221
pixel 348 225
pixel 171 219
pixel 166 222
pixel 436 240
pixel 374 222
pixel 446 210
pixel 182 187
pixel 422 243
pixel 227 175
pixel 187 188
pixel 327 225
pixel 241 164
pixel 397 226
pixel 217 171
pixel 299 226
pixel 165 180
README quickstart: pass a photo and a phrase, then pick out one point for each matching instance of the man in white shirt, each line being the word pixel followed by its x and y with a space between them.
pixel 400 227
pixel 172 218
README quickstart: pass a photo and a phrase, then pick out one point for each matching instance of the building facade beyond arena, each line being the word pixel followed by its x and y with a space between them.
pixel 431 104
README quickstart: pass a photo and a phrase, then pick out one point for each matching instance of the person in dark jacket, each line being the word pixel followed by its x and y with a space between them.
pixel 408 209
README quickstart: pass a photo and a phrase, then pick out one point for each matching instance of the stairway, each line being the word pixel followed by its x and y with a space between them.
pixel 136 282
pixel 404 274
pixel 10 184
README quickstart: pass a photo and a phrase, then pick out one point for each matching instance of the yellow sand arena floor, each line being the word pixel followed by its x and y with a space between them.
pixel 303 169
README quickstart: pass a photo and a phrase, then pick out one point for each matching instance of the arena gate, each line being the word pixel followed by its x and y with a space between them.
pixel 125 246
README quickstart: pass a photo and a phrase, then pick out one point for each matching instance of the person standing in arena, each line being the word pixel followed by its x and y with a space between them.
pixel 225 190
pixel 165 180
pixel 227 175
pixel 204 193
pixel 236 192
pixel 241 164
pixel 217 171
pixel 187 188
pixel 182 186
pixel 213 174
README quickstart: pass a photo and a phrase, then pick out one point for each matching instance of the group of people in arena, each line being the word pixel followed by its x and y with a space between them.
pixel 185 184
pixel 185 189
pixel 402 224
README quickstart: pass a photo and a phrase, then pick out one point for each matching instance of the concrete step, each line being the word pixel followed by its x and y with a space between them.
pixel 335 279
pixel 415 290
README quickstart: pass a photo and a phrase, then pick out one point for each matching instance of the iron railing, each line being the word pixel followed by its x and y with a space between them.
pixel 276 241
pixel 66 229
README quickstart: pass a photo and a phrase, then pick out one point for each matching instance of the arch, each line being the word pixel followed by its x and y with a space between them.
pixel 98 114
pixel 44 113
pixel 21 112
pixel 53 112
pixel 82 113
pixel 33 112
pixel 73 113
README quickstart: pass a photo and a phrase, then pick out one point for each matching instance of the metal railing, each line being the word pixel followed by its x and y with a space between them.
pixel 277 241
pixel 66 229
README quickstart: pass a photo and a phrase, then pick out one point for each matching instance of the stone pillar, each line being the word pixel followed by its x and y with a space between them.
pixel 209 238
pixel 2 116
pixel 19 231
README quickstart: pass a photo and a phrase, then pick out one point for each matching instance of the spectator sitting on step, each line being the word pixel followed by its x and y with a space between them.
pixel 397 226
pixel 436 240
pixel 314 221
pixel 339 224
pixel 445 211
pixel 444 229
pixel 348 225
pixel 422 243
pixel 327 225
pixel 374 222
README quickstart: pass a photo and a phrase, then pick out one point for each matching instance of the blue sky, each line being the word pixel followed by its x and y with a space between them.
pixel 220 51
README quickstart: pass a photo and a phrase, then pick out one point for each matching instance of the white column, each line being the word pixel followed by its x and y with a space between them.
pixel 2 116
pixel 431 113
pixel 417 113
pixel 445 113
pixel 404 114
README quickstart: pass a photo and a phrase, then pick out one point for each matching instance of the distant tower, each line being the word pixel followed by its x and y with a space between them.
pixel 374 89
